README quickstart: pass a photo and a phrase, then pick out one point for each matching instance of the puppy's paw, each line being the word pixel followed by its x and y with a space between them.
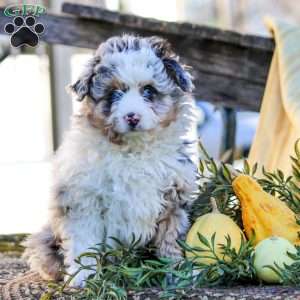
pixel 78 281
pixel 170 250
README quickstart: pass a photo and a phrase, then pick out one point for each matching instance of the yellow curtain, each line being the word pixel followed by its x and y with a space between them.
pixel 279 121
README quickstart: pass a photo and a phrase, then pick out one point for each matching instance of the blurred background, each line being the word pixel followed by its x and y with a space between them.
pixel 35 108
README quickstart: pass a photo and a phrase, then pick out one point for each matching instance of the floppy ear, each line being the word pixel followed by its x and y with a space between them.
pixel 81 87
pixel 174 69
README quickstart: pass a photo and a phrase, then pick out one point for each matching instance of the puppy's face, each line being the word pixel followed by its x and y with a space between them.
pixel 132 85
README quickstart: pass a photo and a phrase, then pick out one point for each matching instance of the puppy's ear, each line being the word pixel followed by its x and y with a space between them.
pixel 81 87
pixel 174 69
pixel 177 72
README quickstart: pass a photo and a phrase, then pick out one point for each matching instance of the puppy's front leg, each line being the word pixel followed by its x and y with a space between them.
pixel 172 225
pixel 80 235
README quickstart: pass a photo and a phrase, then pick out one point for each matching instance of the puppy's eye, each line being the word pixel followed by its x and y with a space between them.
pixel 115 95
pixel 149 92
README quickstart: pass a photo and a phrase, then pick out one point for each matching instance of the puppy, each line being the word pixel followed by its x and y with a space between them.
pixel 128 164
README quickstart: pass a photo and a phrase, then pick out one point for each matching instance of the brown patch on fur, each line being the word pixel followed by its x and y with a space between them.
pixel 113 136
pixel 42 254
pixel 97 120
pixel 161 47
pixel 168 227
pixel 115 84
pixel 170 117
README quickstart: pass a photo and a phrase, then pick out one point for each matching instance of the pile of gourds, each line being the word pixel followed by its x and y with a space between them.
pixel 267 221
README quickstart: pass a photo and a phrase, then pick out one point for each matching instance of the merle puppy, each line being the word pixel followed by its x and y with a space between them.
pixel 128 164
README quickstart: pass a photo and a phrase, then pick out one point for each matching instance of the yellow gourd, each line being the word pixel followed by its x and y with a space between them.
pixel 264 214
pixel 207 225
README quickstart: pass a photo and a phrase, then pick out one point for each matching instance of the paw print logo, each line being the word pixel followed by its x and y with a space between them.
pixel 24 31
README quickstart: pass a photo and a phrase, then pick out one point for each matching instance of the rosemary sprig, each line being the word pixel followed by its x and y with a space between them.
pixel 231 267
pixel 289 274
pixel 133 268
pixel 286 188
pixel 216 180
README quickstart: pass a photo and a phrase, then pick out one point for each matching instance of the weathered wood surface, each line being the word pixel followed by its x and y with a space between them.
pixel 16 283
pixel 183 29
pixel 229 68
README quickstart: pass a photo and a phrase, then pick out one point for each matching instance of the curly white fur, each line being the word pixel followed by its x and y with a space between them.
pixel 140 185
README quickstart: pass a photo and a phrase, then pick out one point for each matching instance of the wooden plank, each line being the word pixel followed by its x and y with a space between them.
pixel 230 69
pixel 183 29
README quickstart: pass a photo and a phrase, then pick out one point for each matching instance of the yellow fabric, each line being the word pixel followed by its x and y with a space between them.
pixel 279 121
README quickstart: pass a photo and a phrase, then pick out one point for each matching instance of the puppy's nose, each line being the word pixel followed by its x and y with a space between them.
pixel 132 119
